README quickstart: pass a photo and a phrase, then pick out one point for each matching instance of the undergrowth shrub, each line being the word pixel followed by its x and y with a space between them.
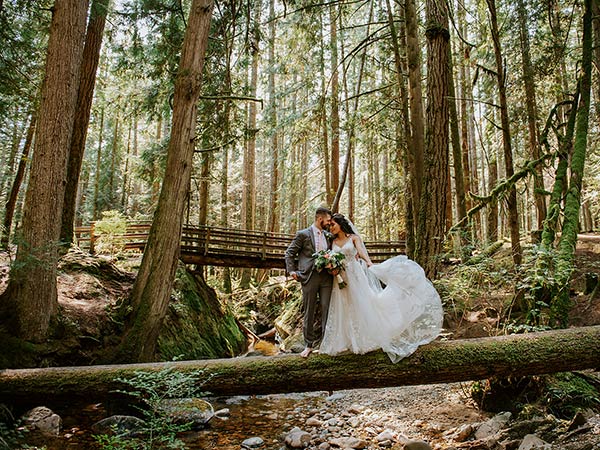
pixel 149 390
pixel 109 231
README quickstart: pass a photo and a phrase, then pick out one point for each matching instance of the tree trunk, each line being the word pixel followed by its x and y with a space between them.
pixel 431 226
pixel 273 225
pixel 513 214
pixel 204 193
pixel 126 187
pixel 153 285
pixel 87 81
pixel 334 166
pixel 249 191
pixel 113 162
pixel 492 209
pixel 459 183
pixel 404 141
pixel 96 208
pixel 30 299
pixel 568 240
pixel 439 362
pixel 417 147
pixel 16 186
pixel 596 27
pixel 531 103
pixel 353 114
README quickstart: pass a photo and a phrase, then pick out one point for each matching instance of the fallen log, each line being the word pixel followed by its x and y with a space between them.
pixel 438 362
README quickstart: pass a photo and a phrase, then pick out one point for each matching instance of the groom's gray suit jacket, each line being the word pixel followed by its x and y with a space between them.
pixel 303 247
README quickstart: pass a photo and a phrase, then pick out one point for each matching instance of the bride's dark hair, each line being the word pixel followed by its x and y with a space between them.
pixel 343 223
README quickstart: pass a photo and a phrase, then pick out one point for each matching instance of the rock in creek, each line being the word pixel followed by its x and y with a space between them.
pixel 126 426
pixel 43 419
pixel 253 442
pixel 188 410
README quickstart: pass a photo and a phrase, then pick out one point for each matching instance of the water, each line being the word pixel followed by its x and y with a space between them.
pixel 268 417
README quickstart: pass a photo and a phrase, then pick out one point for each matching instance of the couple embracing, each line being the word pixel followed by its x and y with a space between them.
pixel 390 306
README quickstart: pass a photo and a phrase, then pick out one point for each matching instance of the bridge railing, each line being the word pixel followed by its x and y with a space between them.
pixel 228 247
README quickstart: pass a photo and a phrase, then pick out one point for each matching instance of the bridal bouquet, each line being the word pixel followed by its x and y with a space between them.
pixel 331 261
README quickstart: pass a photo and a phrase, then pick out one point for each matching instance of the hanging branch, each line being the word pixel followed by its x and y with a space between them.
pixel 500 189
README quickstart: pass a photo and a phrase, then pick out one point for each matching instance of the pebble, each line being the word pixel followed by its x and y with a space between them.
pixel 313 422
pixel 224 412
pixel 385 435
pixel 417 445
pixel 336 396
pixel 348 442
pixel 253 442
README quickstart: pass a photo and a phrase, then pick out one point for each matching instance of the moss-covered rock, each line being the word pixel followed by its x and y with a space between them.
pixel 197 326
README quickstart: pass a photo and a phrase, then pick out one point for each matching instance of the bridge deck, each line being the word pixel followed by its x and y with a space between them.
pixel 226 247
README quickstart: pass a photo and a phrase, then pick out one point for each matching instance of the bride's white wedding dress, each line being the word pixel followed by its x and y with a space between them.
pixel 363 316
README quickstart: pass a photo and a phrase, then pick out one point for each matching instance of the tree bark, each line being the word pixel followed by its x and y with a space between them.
pixel 438 362
pixel 16 186
pixel 153 285
pixel 87 81
pixel 30 299
pixel 431 226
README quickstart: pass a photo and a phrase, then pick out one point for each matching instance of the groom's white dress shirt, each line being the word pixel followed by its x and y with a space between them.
pixel 320 241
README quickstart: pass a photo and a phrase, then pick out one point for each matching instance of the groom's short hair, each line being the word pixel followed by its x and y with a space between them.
pixel 322 211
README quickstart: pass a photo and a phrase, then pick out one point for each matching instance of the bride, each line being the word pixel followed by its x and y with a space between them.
pixel 364 316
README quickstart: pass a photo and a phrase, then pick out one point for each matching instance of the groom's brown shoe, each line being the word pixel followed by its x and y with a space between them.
pixel 307 351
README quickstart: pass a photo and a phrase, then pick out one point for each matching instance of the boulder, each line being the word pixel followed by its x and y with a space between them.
pixel 297 438
pixel 43 419
pixel 188 410
pixel 532 442
pixel 493 426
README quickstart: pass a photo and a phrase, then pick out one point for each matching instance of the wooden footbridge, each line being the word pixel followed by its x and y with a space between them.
pixel 212 246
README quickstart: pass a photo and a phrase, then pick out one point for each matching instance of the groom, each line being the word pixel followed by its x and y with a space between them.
pixel 314 284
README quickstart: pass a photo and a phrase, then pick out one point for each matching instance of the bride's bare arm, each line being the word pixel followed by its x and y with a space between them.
pixel 361 249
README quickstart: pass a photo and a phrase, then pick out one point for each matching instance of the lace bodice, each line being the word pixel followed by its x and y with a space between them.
pixel 347 249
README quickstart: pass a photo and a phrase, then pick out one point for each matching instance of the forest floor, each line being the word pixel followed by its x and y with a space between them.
pixel 432 413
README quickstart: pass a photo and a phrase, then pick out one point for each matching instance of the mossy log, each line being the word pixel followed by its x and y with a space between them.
pixel 438 362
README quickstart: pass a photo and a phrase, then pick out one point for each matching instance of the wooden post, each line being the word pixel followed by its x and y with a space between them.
pixel 92 238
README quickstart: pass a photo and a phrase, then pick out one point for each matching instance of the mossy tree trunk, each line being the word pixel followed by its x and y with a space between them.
pixel 439 362
pixel 566 247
